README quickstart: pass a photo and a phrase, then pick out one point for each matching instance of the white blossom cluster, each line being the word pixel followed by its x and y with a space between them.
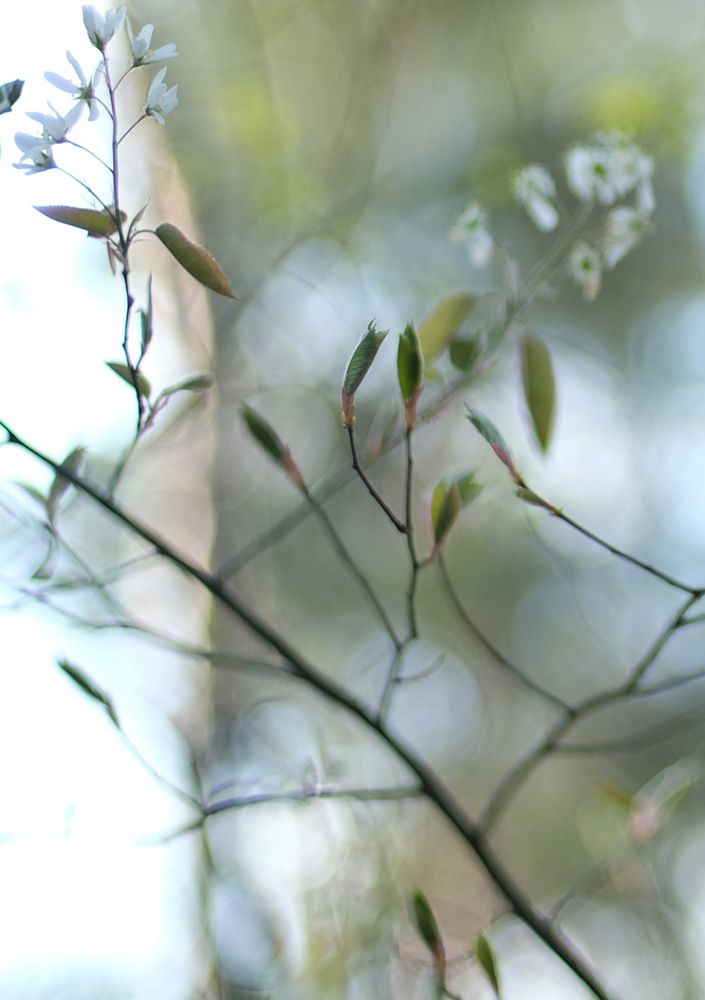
pixel 37 150
pixel 611 168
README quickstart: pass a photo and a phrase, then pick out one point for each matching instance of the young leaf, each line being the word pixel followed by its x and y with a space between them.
pixel 73 463
pixel 448 510
pixel 487 961
pixel 409 363
pixel 463 353
pixel 94 222
pixel 437 329
pixel 79 678
pixel 10 94
pixel 194 259
pixel 263 434
pixel 539 387
pixel 362 358
pixel 143 386
pixel 196 383
pixel 146 317
pixel 492 436
pixel 468 487
pixel 426 922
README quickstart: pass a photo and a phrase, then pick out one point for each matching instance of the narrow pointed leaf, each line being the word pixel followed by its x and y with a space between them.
pixel 10 94
pixel 264 434
pixel 539 387
pixel 437 329
pixel 143 386
pixel 487 961
pixel 362 358
pixel 463 354
pixel 437 502
pixel 196 383
pixel 426 922
pixel 195 259
pixel 86 685
pixel 409 362
pixel 449 510
pixel 94 222
pixel 73 463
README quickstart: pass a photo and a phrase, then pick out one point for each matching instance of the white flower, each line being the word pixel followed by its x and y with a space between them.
pixel 534 187
pixel 141 52
pixel 101 29
pixel 54 127
pixel 83 90
pixel 160 101
pixel 624 228
pixel 609 170
pixel 35 158
pixel 471 229
pixel 585 268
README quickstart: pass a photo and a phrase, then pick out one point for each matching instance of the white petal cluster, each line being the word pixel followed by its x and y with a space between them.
pixel 84 90
pixel 55 127
pixel 471 230
pixel 623 230
pixel 585 265
pixel 140 45
pixel 609 169
pixel 101 29
pixel 160 101
pixel 534 188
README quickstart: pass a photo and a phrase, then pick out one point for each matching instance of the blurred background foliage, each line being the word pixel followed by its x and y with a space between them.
pixel 328 147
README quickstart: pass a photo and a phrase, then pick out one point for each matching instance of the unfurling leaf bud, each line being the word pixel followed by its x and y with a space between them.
pixel 487 961
pixel 132 377
pixel 428 929
pixel 492 436
pixel 72 463
pixel 86 685
pixel 410 372
pixel 97 224
pixel 358 366
pixel 268 439
pixel 445 507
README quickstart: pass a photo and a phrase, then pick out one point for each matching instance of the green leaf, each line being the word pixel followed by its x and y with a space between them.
pixel 146 317
pixel 94 222
pixel 195 259
pixel 448 510
pixel 463 354
pixel 409 362
pixel 437 329
pixel 539 387
pixel 196 383
pixel 468 487
pixel 263 434
pixel 361 361
pixel 437 502
pixel 426 922
pixel 487 961
pixel 86 685
pixel 10 94
pixel 73 463
pixel 143 386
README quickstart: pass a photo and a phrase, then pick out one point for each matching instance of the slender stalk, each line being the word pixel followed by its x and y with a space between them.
pixel 429 782
pixel 304 795
pixel 516 778
pixel 670 580
pixel 399 525
pixel 519 676
pixel 348 560
pixel 415 565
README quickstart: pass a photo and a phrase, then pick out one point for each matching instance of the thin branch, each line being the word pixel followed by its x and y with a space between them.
pixel 670 580
pixel 399 525
pixel 658 733
pixel 519 676
pixel 348 560
pixel 430 783
pixel 415 566
pixel 305 795
pixel 516 778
